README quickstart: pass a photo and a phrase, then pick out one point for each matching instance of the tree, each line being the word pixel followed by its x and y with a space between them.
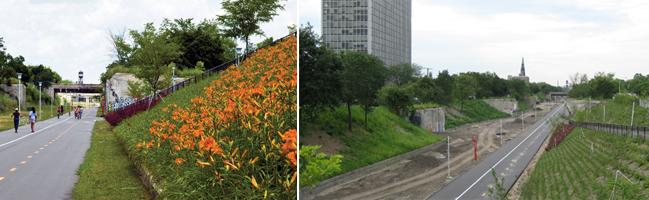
pixel 397 99
pixel 243 17
pixel 122 50
pixel 518 89
pixel 465 88
pixel 198 42
pixel 403 73
pixel 425 90
pixel 498 191
pixel 153 53
pixel 362 76
pixel 137 89
pixel 320 85
pixel 265 42
pixel 446 84
pixel 603 86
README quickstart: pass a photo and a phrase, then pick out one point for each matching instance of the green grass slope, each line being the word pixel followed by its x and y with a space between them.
pixel 135 129
pixel 385 136
pixel 473 111
pixel 618 111
pixel 572 171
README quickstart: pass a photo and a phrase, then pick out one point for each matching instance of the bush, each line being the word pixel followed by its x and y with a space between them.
pixel 315 166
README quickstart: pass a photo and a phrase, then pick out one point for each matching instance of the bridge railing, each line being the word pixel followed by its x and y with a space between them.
pixel 116 115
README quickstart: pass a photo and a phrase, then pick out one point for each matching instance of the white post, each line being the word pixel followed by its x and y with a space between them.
pixel 592 149
pixel 582 133
pixel 632 113
pixel 448 156
pixel 501 131
pixel 522 122
pixel 615 184
pixel 40 90
pixel 19 77
pixel 604 112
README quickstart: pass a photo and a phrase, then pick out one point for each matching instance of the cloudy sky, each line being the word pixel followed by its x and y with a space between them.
pixel 557 37
pixel 73 35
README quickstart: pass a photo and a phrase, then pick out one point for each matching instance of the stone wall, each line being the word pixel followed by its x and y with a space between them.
pixel 433 119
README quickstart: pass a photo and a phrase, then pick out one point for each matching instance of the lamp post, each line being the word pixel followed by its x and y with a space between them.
pixel 40 90
pixel 173 77
pixel 238 52
pixel 20 75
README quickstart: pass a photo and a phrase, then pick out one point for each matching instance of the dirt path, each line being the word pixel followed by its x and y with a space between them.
pixel 417 174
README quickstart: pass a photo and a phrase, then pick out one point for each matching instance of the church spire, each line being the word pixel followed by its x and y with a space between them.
pixel 522 67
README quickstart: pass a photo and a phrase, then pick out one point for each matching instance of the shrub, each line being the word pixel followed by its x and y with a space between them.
pixel 316 166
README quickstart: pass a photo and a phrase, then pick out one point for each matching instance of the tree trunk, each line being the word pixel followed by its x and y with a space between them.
pixel 349 116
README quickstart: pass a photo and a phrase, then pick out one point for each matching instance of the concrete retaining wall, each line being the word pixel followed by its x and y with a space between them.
pixel 433 119
pixel 13 91
pixel 644 103
pixel 502 105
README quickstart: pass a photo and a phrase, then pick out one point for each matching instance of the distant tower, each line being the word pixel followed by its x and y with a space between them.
pixel 522 68
pixel 80 77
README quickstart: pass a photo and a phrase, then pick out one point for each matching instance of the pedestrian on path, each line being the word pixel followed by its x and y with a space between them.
pixel 16 115
pixel 32 117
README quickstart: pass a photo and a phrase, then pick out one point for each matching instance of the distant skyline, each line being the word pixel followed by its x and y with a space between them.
pixel 73 35
pixel 558 38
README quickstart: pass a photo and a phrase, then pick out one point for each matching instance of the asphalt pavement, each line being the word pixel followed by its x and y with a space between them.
pixel 43 164
pixel 508 162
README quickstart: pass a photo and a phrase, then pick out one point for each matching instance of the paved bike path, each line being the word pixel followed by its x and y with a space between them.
pixel 43 165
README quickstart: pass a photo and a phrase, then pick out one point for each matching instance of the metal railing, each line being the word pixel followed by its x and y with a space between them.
pixel 147 102
pixel 640 132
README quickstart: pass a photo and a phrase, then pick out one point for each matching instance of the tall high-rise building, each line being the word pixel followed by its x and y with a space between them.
pixel 378 27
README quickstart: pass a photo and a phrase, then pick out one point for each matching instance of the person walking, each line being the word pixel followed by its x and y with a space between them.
pixel 32 117
pixel 16 115
pixel 59 112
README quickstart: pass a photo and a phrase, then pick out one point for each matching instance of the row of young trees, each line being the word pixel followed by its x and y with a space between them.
pixel 329 79
pixel 150 54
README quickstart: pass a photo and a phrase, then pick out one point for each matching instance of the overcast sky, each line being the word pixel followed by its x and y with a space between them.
pixel 557 37
pixel 73 35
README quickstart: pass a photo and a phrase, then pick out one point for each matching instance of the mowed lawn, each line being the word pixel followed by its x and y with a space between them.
pixel 572 171
pixel 106 172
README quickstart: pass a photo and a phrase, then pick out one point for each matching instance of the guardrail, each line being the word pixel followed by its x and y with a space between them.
pixel 640 132
pixel 115 116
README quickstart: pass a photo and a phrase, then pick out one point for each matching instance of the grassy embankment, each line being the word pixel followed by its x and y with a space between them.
pixel 572 170
pixel 106 172
pixel 472 111
pixel 221 137
pixel 618 111
pixel 385 136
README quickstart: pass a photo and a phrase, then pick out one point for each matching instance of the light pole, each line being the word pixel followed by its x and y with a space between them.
pixel 238 52
pixel 40 90
pixel 20 75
